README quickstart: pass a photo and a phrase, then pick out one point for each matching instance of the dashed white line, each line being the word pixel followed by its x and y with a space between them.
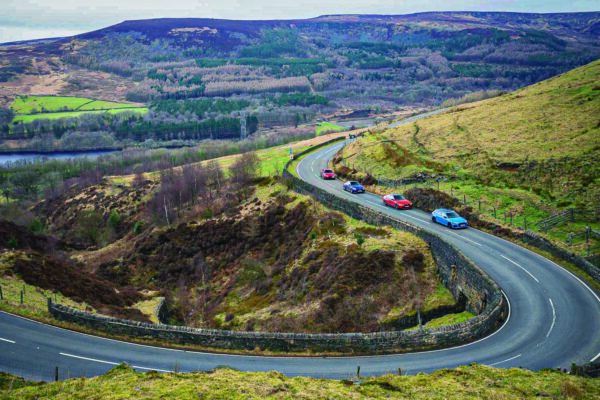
pixel 508 359
pixel 595 358
pixel 553 318
pixel 467 239
pixel 7 340
pixel 518 265
pixel 111 362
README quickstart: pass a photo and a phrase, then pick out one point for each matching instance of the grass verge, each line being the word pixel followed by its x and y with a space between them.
pixel 467 382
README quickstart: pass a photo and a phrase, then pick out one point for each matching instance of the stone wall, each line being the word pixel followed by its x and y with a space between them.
pixel 464 279
pixel 376 342
pixel 544 244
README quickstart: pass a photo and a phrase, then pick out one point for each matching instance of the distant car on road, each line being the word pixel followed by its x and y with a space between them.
pixel 449 218
pixel 327 173
pixel 354 187
pixel 397 201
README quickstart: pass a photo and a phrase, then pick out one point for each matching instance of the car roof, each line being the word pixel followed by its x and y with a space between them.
pixel 444 210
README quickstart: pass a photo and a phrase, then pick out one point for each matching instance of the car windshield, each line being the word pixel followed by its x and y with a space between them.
pixel 354 183
pixel 327 171
pixel 398 197
pixel 452 214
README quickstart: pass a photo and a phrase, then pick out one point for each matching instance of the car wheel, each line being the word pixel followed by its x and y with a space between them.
pixel 433 219
pixel 397 207
pixel 449 225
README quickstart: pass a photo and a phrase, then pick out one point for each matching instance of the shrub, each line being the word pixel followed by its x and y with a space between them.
pixel 36 226
pixel 414 259
pixel 12 243
pixel 114 219
pixel 137 228
pixel 360 239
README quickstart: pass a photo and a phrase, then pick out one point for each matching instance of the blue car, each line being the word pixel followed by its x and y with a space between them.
pixel 449 218
pixel 354 187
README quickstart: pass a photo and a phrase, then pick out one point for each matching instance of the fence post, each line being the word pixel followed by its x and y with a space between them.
pixel 1 294
pixel 587 236
pixel 525 223
pixel 572 215
pixel 465 199
pixel 55 374
pixel 21 297
pixel 358 372
pixel 495 212
pixel 479 204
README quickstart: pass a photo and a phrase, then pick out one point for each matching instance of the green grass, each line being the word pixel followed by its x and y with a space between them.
pixel 104 105
pixel 328 127
pixel 33 104
pixel 35 300
pixel 449 319
pixel 73 114
pixel 31 108
pixel 467 382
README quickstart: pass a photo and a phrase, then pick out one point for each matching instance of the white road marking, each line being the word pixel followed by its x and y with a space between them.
pixel 528 273
pixel 595 358
pixel 111 362
pixel 553 318
pixel 467 239
pixel 545 260
pixel 503 361
pixel 7 340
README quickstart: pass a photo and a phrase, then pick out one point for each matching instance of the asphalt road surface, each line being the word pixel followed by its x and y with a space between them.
pixel 554 320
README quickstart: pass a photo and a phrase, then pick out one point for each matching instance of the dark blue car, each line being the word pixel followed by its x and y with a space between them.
pixel 449 218
pixel 354 187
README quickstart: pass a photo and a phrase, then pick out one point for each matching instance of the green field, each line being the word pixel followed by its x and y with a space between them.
pixel 467 382
pixel 328 127
pixel 73 114
pixel 31 108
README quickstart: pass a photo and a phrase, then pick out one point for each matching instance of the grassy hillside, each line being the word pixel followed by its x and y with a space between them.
pixel 528 154
pixel 469 382
pixel 556 118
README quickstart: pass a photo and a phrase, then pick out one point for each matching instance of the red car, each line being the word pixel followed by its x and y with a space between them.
pixel 327 173
pixel 397 201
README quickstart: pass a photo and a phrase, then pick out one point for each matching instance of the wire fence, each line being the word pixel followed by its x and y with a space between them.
pixel 569 215
pixel 586 242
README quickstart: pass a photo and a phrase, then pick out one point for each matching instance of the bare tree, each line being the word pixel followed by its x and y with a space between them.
pixel 243 171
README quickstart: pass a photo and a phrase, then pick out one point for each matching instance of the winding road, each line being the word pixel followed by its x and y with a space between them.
pixel 554 320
